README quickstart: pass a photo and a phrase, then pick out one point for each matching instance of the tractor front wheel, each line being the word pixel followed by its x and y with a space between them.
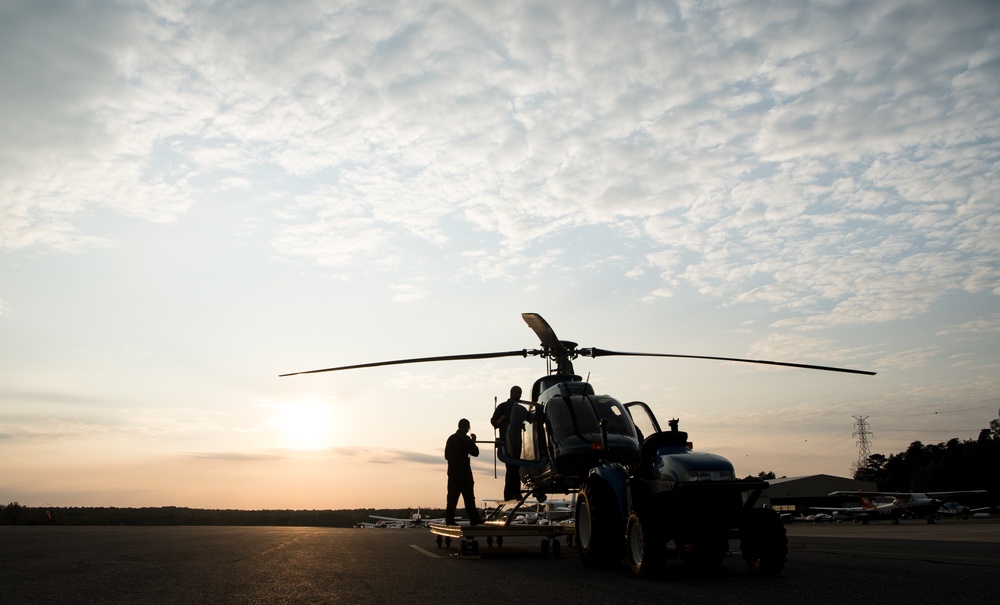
pixel 598 538
pixel 645 545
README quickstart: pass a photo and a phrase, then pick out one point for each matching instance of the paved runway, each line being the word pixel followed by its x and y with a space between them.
pixel 954 562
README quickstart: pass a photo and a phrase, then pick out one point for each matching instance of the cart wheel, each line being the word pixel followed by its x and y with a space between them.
pixel 439 541
pixel 545 547
pixel 556 548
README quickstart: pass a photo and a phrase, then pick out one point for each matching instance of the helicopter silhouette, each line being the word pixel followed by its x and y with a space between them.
pixel 632 477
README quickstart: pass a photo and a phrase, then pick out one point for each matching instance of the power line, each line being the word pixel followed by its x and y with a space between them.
pixel 931 430
pixel 806 461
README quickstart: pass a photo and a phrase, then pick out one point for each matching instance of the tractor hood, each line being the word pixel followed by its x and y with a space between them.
pixel 683 465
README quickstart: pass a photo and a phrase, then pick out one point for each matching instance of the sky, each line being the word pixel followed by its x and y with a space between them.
pixel 196 197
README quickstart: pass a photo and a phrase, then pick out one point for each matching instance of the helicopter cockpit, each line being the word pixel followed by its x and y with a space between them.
pixel 583 415
pixel 568 429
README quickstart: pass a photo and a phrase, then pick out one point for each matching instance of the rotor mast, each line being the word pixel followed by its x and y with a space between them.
pixel 563 352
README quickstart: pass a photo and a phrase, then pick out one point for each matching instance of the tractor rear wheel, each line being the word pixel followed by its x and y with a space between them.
pixel 763 542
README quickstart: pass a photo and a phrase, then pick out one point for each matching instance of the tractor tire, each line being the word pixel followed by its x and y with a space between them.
pixel 763 542
pixel 598 537
pixel 645 545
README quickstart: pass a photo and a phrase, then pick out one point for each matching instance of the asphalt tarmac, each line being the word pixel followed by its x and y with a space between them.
pixel 955 562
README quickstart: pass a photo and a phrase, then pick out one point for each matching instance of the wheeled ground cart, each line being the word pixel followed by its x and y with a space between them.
pixel 498 530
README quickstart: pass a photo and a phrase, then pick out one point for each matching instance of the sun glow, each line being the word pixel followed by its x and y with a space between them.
pixel 306 425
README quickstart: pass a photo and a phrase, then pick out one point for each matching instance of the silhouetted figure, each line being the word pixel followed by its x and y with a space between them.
pixel 457 450
pixel 501 420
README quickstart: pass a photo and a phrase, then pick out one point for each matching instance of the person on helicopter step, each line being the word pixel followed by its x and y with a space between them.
pixel 457 450
pixel 501 420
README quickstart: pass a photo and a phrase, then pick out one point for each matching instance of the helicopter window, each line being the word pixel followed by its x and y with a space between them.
pixel 611 411
pixel 515 430
pixel 529 449
pixel 525 439
pixel 582 415
pixel 642 418
pixel 568 416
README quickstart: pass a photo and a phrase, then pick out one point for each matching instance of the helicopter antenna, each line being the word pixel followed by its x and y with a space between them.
pixel 495 431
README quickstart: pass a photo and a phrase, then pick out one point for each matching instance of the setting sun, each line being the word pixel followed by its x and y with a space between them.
pixel 303 425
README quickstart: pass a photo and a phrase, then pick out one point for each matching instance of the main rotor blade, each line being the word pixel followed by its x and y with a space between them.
pixel 546 335
pixel 521 353
pixel 603 352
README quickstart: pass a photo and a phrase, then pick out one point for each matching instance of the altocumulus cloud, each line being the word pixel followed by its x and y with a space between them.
pixel 834 158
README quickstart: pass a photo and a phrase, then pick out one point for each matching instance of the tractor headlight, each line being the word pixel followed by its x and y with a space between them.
pixel 709 476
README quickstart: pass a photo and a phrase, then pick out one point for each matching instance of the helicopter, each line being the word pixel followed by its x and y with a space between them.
pixel 633 479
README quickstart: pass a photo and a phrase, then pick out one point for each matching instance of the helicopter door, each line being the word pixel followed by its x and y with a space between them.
pixel 529 440
pixel 524 436
pixel 643 419
pixel 515 430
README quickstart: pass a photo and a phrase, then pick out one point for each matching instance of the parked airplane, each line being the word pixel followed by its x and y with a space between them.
pixel 527 512
pixel 377 525
pixel 414 520
pixel 530 511
pixel 957 509
pixel 817 518
pixel 916 504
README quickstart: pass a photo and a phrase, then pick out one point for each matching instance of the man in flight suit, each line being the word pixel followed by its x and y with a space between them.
pixel 457 450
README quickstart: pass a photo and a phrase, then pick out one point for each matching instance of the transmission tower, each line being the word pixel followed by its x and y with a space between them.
pixel 863 434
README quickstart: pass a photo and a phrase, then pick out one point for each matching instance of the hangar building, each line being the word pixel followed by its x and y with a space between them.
pixel 795 495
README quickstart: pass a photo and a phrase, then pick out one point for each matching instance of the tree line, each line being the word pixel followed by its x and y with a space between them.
pixel 16 514
pixel 954 465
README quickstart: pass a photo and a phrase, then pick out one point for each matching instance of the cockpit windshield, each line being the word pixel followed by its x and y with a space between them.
pixel 582 415
pixel 610 410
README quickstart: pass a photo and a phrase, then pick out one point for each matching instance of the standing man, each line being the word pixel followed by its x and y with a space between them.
pixel 457 450
pixel 501 420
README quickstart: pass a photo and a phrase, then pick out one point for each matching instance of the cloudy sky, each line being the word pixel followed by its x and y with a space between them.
pixel 196 197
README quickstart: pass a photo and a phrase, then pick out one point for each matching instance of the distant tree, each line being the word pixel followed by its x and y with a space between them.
pixel 953 465
pixel 11 513
pixel 995 426
pixel 874 469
